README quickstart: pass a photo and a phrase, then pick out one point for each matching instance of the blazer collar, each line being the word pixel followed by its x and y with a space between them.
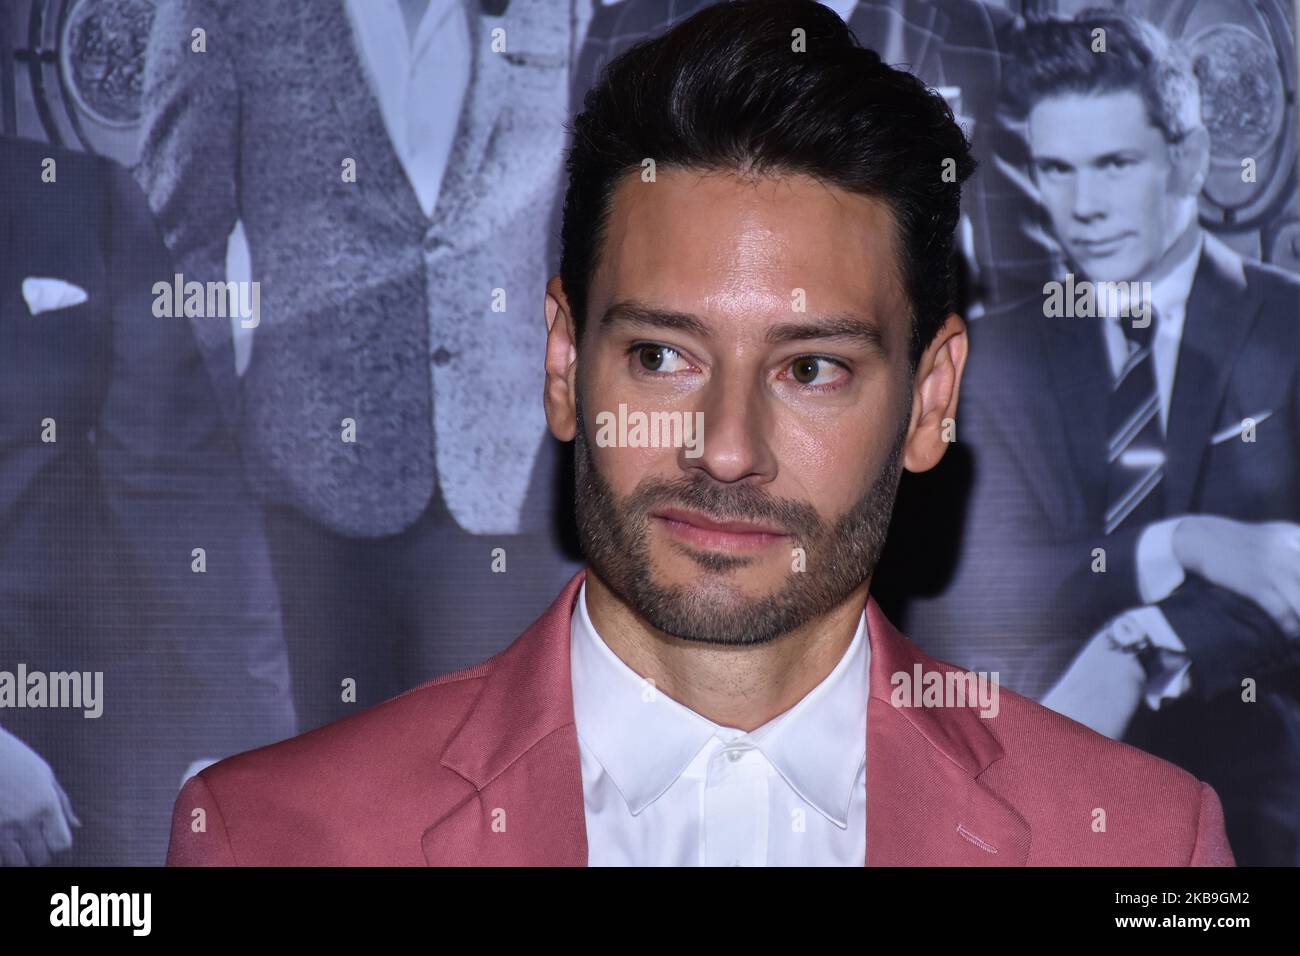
pixel 1079 379
pixel 518 747
pixel 1222 308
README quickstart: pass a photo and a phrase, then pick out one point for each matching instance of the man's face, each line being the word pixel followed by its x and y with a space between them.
pixel 795 353
pixel 1104 172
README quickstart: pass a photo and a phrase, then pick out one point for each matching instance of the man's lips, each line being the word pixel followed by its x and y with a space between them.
pixel 1102 245
pixel 705 532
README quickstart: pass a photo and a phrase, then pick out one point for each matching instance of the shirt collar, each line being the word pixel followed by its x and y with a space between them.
pixel 645 740
pixel 1169 295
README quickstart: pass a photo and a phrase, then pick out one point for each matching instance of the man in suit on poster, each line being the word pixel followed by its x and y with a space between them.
pixel 386 160
pixel 115 466
pixel 716 686
pixel 1135 470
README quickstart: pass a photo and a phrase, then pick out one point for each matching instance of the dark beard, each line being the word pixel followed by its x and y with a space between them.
pixel 614 537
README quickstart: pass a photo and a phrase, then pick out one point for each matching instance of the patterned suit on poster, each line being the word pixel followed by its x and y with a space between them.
pixel 380 299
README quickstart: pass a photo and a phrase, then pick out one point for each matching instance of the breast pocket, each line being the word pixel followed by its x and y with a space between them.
pixel 1251 465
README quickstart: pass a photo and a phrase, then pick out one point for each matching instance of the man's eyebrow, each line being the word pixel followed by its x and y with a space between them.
pixel 1122 153
pixel 825 327
pixel 849 327
pixel 634 313
pixel 1114 154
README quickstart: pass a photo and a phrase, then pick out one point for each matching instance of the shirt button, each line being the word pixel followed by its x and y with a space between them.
pixel 441 356
pixel 734 755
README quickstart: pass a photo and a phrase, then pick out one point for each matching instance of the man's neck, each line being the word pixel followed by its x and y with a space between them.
pixel 1176 253
pixel 739 686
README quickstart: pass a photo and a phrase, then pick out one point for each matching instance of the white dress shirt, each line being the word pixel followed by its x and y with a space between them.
pixel 1159 572
pixel 664 786
pixel 419 81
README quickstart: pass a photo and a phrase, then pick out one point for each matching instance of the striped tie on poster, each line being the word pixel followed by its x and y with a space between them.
pixel 1135 448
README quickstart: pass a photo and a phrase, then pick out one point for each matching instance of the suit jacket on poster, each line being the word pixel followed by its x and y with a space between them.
pixel 257 129
pixel 1029 465
pixel 1033 419
pixel 429 777
pixel 98 526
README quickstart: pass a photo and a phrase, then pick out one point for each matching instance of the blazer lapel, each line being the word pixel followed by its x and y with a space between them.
pixel 485 98
pixel 926 802
pixel 1049 389
pixel 1221 311
pixel 1080 384
pixel 519 748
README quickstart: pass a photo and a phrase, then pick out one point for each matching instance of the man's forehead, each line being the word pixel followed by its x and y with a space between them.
pixel 1066 114
pixel 733 248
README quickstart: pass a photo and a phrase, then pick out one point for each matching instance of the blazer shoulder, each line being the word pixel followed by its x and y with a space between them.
pixel 1010 317
pixel 23 160
pixel 420 719
pixel 1279 287
pixel 1070 780
pixel 355 791
pixel 1029 729
pixel 1004 338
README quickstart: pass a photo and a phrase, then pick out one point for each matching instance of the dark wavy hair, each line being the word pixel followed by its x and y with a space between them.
pixel 1053 57
pixel 724 90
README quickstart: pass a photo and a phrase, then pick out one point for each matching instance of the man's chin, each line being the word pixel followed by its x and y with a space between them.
pixel 705 597
pixel 717 573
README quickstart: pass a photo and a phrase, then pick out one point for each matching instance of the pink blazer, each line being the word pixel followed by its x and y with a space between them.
pixel 480 767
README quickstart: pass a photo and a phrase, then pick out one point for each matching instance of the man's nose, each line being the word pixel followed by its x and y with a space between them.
pixel 1088 201
pixel 736 419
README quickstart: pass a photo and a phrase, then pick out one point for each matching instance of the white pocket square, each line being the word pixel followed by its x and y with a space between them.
pixel 1235 429
pixel 45 295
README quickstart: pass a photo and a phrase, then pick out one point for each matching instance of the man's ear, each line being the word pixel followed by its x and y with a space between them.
pixel 559 392
pixel 934 396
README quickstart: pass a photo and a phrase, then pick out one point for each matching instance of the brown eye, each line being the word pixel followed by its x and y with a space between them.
pixel 652 357
pixel 805 370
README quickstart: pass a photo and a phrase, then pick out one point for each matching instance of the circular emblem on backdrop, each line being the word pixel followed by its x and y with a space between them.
pixel 1241 92
pixel 102 50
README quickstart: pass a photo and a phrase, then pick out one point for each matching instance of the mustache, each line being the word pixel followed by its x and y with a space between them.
pixel 722 503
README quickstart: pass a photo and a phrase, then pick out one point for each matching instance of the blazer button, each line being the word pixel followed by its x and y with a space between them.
pixel 432 241
pixel 441 356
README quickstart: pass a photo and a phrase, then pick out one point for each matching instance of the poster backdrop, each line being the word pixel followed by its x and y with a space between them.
pixel 271 335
